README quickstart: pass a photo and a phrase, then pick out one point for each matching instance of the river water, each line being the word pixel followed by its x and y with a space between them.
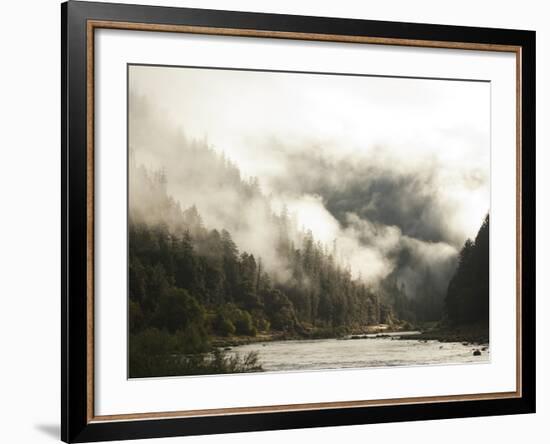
pixel 374 351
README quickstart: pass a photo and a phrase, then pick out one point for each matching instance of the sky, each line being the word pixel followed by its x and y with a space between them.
pixel 377 163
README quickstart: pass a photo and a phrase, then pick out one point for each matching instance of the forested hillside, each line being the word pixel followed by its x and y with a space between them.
pixel 191 284
pixel 188 283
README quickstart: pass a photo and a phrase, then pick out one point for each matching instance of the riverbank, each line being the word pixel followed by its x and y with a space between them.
pixel 307 334
pixel 477 334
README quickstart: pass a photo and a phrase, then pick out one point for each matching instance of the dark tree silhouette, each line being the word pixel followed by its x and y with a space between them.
pixel 467 298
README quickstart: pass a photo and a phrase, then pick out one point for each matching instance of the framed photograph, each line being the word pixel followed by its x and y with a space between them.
pixel 275 221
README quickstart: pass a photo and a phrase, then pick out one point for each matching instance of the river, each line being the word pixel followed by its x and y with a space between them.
pixel 374 351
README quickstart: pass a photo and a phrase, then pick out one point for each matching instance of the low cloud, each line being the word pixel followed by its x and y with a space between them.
pixel 400 204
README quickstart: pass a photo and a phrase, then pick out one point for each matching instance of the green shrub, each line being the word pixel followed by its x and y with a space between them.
pixel 136 319
pixel 223 326
pixel 178 310
pixel 154 353
pixel 244 324
pixel 231 320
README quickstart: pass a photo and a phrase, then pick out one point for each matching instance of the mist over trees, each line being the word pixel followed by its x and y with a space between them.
pixel 212 256
pixel 373 249
pixel 188 283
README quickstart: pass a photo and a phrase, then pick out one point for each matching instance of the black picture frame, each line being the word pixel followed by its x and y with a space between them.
pixel 76 424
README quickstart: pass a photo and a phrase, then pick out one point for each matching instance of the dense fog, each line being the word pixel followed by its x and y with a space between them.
pixel 390 175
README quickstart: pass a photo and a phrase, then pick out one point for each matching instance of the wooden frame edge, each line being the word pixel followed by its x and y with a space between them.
pixel 336 38
pixel 91 25
pixel 284 408
pixel 90 186
pixel 519 218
